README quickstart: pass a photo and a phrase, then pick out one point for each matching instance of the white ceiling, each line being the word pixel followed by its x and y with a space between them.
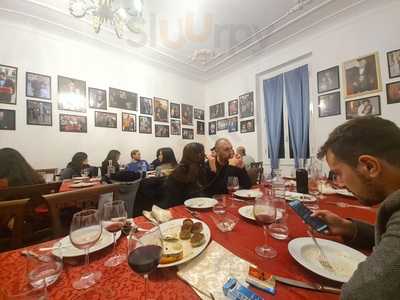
pixel 237 29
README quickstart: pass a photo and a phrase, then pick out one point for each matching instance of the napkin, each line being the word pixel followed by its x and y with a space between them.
pixel 209 271
pixel 157 214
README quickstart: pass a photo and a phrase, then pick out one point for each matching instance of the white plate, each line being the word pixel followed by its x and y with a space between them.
pixel 188 252
pixel 79 178
pixel 343 258
pixel 290 196
pixel 248 193
pixel 248 212
pixel 82 184
pixel 200 202
pixel 68 250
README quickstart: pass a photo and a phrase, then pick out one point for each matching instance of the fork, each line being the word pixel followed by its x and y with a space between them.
pixel 322 258
pixel 345 205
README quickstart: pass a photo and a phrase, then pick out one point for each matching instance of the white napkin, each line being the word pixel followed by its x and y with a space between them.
pixel 157 214
pixel 209 271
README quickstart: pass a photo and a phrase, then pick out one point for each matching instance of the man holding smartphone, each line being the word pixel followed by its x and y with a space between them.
pixel 364 154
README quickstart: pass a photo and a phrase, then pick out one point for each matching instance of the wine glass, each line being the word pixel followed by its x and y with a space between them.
pixel 85 172
pixel 85 231
pixel 145 247
pixel 114 217
pixel 265 214
pixel 233 184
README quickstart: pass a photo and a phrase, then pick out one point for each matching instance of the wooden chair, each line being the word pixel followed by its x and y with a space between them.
pixel 80 199
pixel 29 191
pixel 257 170
pixel 12 210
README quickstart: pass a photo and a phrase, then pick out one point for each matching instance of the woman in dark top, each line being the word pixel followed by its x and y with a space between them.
pixel 75 166
pixel 113 155
pixel 155 163
pixel 167 159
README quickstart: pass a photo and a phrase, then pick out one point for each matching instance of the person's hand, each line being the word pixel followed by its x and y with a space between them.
pixel 212 163
pixel 236 161
pixel 337 225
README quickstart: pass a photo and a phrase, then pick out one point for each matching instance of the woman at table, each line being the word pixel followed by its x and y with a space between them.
pixel 167 160
pixel 189 177
pixel 75 166
pixel 112 156
pixel 155 163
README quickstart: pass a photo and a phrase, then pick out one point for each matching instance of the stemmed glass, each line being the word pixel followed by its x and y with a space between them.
pixel 233 184
pixel 85 172
pixel 114 218
pixel 265 214
pixel 85 231
pixel 145 247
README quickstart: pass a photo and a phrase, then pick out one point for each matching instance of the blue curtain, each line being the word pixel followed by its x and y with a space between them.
pixel 273 105
pixel 298 102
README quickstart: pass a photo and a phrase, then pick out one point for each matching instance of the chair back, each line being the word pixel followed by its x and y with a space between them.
pixel 257 169
pixel 80 199
pixel 29 191
pixel 13 211
pixel 127 193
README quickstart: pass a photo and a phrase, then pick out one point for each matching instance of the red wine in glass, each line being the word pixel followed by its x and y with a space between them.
pixel 114 227
pixel 145 259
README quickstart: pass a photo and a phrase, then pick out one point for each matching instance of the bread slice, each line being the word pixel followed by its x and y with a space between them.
pixel 172 252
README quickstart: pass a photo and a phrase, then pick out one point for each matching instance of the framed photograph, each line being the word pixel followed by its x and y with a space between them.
pixel 72 123
pixel 8 84
pixel 122 99
pixel 128 122
pixel 212 128
pixel 145 125
pixel 246 105
pixel 187 114
pixel 37 86
pixel 187 134
pixel 39 113
pixel 175 110
pixel 233 124
pixel 7 119
pixel 175 127
pixel 222 124
pixel 161 130
pixel 247 126
pixel 199 114
pixel 104 119
pixel 97 98
pixel 233 107
pixel 217 111
pixel 328 80
pixel 362 76
pixel 71 94
pixel 329 105
pixel 146 106
pixel 370 106
pixel 393 92
pixel 160 110
pixel 393 58
pixel 200 128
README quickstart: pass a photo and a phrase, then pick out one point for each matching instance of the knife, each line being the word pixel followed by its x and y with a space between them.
pixel 306 285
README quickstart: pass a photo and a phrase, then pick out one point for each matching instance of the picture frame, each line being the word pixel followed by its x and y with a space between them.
pixel 233 107
pixel 97 98
pixel 160 110
pixel 329 105
pixel 187 134
pixel 217 111
pixel 328 80
pixel 105 119
pixel 233 124
pixel 393 59
pixel 222 124
pixel 161 130
pixel 122 99
pixel 393 92
pixel 7 119
pixel 212 128
pixel 175 110
pixel 73 123
pixel 39 113
pixel 369 106
pixel 176 127
pixel 247 126
pixel 199 114
pixel 362 76
pixel 187 114
pixel 145 125
pixel 200 128
pixel 246 105
pixel 71 94
pixel 128 122
pixel 37 86
pixel 146 106
pixel 8 84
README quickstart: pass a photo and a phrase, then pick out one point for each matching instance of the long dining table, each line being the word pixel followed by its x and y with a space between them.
pixel 121 282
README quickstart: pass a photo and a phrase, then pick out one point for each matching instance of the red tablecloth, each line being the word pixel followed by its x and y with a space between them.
pixel 122 283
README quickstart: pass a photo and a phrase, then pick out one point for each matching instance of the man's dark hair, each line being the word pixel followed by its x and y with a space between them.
pixel 364 136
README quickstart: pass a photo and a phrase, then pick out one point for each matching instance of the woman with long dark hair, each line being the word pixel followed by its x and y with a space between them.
pixel 114 156
pixel 167 160
pixel 75 166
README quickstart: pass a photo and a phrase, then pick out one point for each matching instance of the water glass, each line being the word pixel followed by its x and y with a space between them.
pixel 232 184
pixel 221 206
pixel 85 172
pixel 225 222
pixel 280 230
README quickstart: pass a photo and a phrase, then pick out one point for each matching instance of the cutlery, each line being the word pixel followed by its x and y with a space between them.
pixel 322 258
pixel 306 285
pixel 345 205
pixel 207 294
pixel 194 214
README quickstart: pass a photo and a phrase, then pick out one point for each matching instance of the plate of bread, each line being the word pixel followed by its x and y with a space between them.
pixel 183 240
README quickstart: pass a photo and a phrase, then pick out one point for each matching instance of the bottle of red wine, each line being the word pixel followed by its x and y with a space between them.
pixel 302 181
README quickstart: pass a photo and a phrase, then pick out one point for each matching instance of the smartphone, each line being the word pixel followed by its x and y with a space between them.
pixel 316 223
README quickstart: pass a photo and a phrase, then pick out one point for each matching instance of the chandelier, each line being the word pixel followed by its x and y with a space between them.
pixel 120 14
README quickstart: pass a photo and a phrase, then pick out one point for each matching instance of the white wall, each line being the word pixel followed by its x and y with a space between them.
pixel 39 52
pixel 343 39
